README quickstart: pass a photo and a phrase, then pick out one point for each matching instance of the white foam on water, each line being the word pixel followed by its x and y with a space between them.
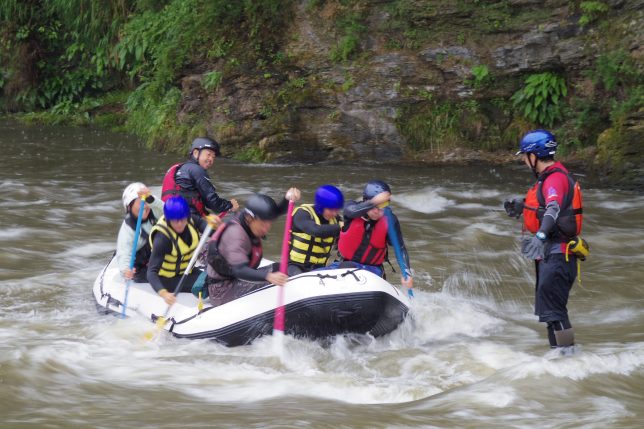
pixel 10 234
pixel 583 364
pixel 474 195
pixel 427 201
pixel 88 250
pixel 478 228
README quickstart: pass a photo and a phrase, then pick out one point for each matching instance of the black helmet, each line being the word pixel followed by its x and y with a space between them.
pixel 205 143
pixel 374 188
pixel 262 207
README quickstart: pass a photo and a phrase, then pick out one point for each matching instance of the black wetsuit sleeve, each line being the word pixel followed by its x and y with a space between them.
pixel 302 221
pixel 161 246
pixel 209 196
pixel 196 177
pixel 354 209
pixel 245 272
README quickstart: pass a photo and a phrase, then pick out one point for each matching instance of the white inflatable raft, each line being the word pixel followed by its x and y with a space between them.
pixel 318 304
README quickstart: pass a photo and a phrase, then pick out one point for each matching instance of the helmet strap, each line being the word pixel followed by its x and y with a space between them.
pixel 533 166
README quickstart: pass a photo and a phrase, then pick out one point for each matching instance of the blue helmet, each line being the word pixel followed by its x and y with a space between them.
pixel 374 188
pixel 176 208
pixel 540 142
pixel 328 197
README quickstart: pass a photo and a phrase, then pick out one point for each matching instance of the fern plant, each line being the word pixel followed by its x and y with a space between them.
pixel 539 100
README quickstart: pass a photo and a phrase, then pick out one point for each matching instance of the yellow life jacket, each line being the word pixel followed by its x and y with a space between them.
pixel 306 249
pixel 176 262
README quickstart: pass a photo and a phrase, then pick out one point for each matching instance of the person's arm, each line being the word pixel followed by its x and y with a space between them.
pixel 124 244
pixel 244 272
pixel 156 204
pixel 354 209
pixel 209 194
pixel 401 241
pixel 302 221
pixel 161 246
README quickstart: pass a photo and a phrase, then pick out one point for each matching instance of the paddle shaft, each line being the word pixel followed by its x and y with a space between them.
pixel 395 242
pixel 278 324
pixel 137 232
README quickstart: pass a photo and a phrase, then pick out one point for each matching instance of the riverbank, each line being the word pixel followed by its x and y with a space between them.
pixel 344 81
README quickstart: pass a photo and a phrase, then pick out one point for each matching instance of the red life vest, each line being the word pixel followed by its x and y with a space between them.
pixel 364 243
pixel 570 215
pixel 169 188
pixel 221 266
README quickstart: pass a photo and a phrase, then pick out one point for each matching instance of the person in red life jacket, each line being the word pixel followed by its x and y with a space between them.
pixel 235 251
pixel 191 180
pixel 363 239
pixel 152 210
pixel 552 211
pixel 174 239
pixel 316 228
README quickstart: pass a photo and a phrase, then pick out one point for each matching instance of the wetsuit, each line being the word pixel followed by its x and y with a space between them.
pixel 196 187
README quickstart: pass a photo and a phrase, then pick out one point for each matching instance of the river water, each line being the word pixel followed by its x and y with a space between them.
pixel 472 355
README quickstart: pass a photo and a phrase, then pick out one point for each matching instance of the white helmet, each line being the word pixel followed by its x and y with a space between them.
pixel 131 193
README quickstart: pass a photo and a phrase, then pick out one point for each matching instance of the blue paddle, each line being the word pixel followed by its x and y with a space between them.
pixel 137 232
pixel 393 237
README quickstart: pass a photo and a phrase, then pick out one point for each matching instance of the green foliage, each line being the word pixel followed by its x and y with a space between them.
pixel 57 52
pixel 250 154
pixel 435 126
pixel 615 70
pixel 348 83
pixel 152 111
pixel 211 80
pixel 591 11
pixel 481 75
pixel 349 45
pixel 539 99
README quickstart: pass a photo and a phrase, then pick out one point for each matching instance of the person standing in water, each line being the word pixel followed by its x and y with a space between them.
pixel 552 211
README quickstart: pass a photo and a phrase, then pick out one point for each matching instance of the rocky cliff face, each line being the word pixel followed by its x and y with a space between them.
pixel 401 80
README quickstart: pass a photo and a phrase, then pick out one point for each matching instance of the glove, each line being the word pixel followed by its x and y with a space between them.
pixel 513 207
pixel 213 220
pixel 533 248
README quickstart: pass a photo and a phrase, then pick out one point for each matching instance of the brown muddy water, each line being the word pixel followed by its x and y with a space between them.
pixel 472 355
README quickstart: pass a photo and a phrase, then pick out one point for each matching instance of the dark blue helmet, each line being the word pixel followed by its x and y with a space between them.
pixel 176 208
pixel 374 188
pixel 328 197
pixel 263 207
pixel 205 143
pixel 540 142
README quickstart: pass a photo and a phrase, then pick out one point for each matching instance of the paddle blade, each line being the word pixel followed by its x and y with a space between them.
pixel 160 323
